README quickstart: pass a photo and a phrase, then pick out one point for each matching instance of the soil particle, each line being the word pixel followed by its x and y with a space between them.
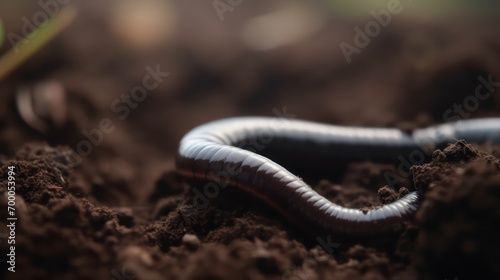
pixel 43 171
pixel 388 194
pixel 460 214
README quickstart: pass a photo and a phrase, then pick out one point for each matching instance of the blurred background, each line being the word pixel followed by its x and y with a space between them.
pixel 68 65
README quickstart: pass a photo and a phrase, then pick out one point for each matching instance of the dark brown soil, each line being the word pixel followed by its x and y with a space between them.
pixel 123 213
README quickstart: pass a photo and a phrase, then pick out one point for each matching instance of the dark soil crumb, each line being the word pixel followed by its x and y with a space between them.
pixel 459 216
pixel 43 170
pixel 388 195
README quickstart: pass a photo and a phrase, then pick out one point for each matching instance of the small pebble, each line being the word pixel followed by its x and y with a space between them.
pixel 191 241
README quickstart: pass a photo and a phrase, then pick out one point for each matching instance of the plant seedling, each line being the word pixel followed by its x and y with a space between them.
pixel 25 49
pixel 1 33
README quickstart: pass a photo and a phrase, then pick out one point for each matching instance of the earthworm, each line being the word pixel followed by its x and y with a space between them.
pixel 226 152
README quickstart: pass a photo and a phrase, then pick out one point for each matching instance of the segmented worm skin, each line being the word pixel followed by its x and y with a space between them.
pixel 225 152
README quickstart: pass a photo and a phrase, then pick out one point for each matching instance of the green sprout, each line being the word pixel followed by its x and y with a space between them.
pixel 1 33
pixel 27 47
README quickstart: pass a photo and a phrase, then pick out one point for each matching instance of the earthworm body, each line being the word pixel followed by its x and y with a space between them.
pixel 220 152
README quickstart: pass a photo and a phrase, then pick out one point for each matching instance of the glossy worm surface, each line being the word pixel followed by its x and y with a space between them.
pixel 229 152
